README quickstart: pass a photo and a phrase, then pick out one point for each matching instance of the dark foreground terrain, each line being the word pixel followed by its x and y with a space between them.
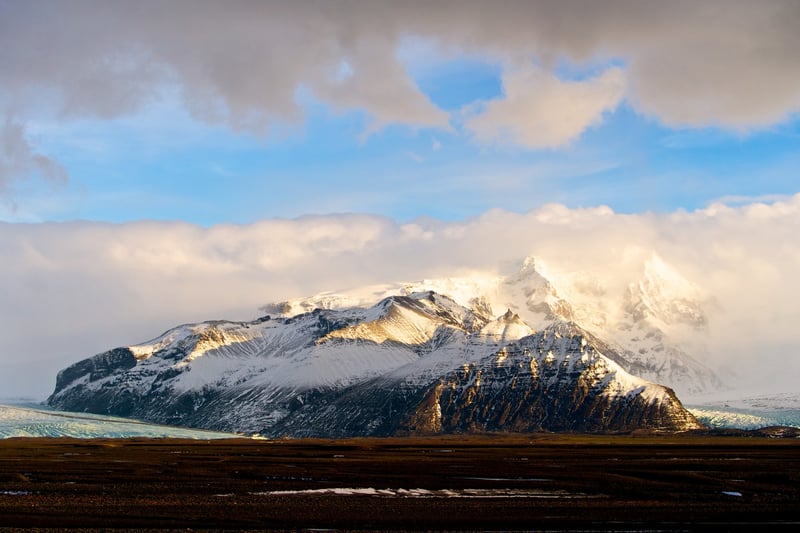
pixel 467 483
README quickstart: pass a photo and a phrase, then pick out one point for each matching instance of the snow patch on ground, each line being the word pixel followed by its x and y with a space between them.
pixel 431 493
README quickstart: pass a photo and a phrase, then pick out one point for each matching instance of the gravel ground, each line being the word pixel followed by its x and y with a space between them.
pixel 540 482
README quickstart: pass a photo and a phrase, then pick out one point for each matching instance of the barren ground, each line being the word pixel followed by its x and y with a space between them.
pixel 530 482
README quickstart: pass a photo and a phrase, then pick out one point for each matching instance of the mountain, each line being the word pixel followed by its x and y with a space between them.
pixel 656 323
pixel 416 363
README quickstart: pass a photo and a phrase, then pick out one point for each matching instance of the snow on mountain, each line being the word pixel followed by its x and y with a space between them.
pixel 554 380
pixel 506 328
pixel 414 362
pixel 657 323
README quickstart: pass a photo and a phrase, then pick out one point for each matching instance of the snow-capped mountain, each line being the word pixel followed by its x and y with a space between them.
pixel 656 323
pixel 414 363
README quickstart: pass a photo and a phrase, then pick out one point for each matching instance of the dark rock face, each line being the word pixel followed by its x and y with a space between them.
pixel 518 401
pixel 97 367
pixel 105 400
pixel 518 389
pixel 453 379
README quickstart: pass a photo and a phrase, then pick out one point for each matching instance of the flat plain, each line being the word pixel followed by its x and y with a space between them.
pixel 491 482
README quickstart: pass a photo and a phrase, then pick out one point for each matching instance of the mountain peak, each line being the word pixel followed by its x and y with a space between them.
pixel 508 327
pixel 656 318
pixel 666 297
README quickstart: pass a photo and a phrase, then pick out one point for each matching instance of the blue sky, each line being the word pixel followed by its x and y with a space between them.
pixel 169 162
pixel 176 168
pixel 160 158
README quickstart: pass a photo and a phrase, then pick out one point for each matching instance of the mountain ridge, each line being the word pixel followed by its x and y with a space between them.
pixel 411 363
pixel 656 322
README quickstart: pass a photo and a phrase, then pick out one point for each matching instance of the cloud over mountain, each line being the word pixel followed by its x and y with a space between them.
pixel 73 289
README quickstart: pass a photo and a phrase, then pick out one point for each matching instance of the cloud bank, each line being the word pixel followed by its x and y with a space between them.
pixel 246 64
pixel 74 289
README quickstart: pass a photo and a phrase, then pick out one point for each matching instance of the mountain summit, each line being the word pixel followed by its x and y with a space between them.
pixel 656 322
pixel 413 363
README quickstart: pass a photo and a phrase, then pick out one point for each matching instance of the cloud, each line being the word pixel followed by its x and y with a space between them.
pixel 19 160
pixel 538 110
pixel 241 63
pixel 728 63
pixel 733 200
pixel 74 289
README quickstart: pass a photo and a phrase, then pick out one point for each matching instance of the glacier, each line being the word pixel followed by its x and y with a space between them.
pixel 39 421
pixel 748 411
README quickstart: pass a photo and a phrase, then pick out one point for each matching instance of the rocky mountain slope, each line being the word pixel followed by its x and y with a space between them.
pixel 413 363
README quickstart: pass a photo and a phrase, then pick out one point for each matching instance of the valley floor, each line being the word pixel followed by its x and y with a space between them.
pixel 531 482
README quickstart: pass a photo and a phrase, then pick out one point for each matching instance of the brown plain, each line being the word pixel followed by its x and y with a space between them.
pixel 519 482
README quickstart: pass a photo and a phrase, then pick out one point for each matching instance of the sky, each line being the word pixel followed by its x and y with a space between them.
pixel 168 162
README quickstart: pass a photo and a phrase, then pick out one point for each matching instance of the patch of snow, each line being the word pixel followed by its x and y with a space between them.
pixel 507 328
pixel 628 385
pixel 430 493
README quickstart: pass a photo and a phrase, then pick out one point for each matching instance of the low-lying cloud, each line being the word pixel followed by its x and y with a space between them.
pixel 74 289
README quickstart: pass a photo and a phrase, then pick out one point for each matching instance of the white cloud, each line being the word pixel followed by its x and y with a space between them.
pixel 729 63
pixel 733 200
pixel 538 110
pixel 72 290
